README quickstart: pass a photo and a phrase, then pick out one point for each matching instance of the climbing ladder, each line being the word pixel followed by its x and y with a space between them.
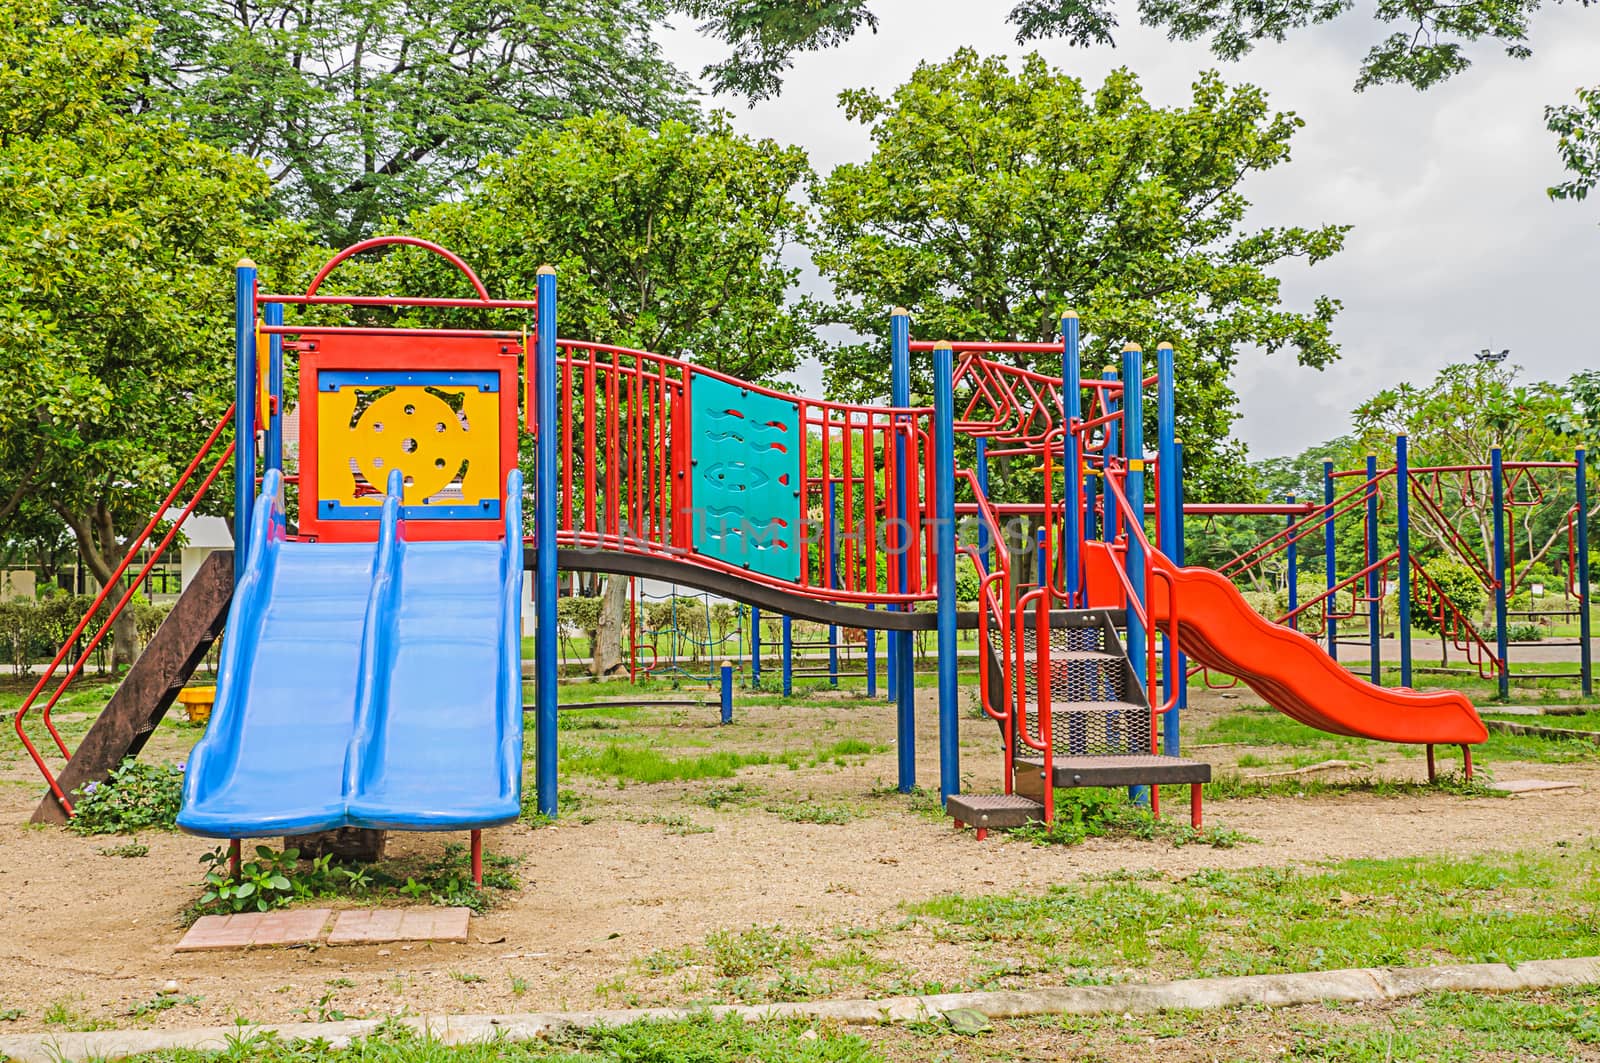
pixel 1080 718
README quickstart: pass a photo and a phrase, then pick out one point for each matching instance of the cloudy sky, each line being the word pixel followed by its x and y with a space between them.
pixel 1455 247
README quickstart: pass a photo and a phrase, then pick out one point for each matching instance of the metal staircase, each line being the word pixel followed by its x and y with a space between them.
pixel 1079 717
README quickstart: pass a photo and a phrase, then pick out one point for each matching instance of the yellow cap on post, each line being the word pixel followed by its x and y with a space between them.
pixel 245 263
pixel 943 345
pixel 1131 347
pixel 1163 346
pixel 899 311
pixel 546 270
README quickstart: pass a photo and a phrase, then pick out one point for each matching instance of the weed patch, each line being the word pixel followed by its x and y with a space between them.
pixel 137 796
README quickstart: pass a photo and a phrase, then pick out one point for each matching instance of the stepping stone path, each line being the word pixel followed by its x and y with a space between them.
pixel 366 926
pixel 369 926
pixel 244 930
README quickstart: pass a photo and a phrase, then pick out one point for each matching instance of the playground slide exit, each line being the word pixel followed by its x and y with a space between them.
pixel 1217 628
pixel 365 684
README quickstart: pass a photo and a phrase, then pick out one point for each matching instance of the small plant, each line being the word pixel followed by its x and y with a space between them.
pixel 519 985
pixel 135 797
pixel 161 1002
pixel 10 1014
pixel 808 812
pixel 263 883
pixel 127 851
pixel 678 824
pixel 466 977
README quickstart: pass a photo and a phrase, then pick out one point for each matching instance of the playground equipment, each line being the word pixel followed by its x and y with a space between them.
pixel 371 673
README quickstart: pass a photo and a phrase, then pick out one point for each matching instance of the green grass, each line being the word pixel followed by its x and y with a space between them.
pixel 1268 920
pixel 643 764
pixel 703 1040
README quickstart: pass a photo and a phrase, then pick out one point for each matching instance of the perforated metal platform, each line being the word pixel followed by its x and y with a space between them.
pixel 993 810
pixel 1127 770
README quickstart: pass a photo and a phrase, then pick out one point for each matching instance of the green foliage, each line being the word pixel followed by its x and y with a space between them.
pixel 765 33
pixel 137 796
pixel 995 199
pixel 671 239
pixel 1577 130
pixel 378 109
pixel 118 232
pixel 1094 813
pixel 1459 583
pixel 275 879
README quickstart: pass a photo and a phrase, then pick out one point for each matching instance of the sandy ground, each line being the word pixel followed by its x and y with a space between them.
pixel 97 933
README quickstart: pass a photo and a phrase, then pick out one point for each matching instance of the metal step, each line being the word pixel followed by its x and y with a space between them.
pixel 1120 770
pixel 983 811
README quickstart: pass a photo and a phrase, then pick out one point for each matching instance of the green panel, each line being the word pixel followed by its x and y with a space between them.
pixel 745 459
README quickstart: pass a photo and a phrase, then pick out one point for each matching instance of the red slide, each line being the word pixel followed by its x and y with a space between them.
pixel 1218 629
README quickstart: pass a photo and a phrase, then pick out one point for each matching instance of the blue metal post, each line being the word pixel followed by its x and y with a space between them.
pixel 982 472
pixel 727 691
pixel 872 659
pixel 1294 566
pixel 546 427
pixel 1585 651
pixel 944 447
pixel 1374 577
pixel 1039 558
pixel 1330 559
pixel 1109 521
pixel 1091 500
pixel 1180 557
pixel 755 646
pixel 1133 455
pixel 272 314
pixel 901 641
pixel 244 408
pixel 788 657
pixel 1402 516
pixel 1072 474
pixel 1498 490
pixel 833 582
pixel 1168 518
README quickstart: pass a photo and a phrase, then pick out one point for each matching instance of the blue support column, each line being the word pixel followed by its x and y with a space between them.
pixel 727 691
pixel 545 427
pixel 272 314
pixel 872 659
pixel 1039 558
pixel 1498 494
pixel 244 408
pixel 1294 567
pixel 788 657
pixel 944 447
pixel 1330 559
pixel 755 646
pixel 1180 557
pixel 833 582
pixel 1091 501
pixel 1402 516
pixel 1072 473
pixel 901 644
pixel 982 472
pixel 1374 578
pixel 1581 577
pixel 1168 517
pixel 1133 456
pixel 1109 520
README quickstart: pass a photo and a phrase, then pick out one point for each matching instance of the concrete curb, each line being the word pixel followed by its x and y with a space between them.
pixel 1538 731
pixel 1269 990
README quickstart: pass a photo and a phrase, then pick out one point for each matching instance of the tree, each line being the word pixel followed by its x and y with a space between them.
pixel 671 240
pixel 993 200
pixel 117 234
pixel 1457 419
pixel 1428 48
pixel 363 111
pixel 1577 128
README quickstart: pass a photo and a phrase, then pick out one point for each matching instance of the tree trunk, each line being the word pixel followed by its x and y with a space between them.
pixel 102 552
pixel 606 653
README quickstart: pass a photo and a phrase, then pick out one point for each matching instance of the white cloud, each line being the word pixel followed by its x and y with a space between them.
pixel 1455 246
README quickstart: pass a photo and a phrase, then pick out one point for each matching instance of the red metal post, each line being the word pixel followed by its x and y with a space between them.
pixel 477 858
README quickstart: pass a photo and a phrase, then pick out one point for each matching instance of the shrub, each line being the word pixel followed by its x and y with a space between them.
pixel 136 797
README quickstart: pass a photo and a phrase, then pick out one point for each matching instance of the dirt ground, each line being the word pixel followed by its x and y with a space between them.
pixel 605 887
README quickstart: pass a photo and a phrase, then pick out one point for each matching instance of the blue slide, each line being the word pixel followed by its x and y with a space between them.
pixel 365 684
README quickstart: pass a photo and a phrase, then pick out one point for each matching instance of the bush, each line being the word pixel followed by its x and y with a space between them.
pixel 136 797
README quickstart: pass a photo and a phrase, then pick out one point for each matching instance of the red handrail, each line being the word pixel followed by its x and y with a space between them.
pixel 133 549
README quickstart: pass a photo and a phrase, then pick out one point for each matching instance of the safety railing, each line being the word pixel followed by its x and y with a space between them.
pixel 626 472
pixel 1452 622
pixel 134 548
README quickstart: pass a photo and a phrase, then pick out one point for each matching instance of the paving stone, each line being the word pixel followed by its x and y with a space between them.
pixel 371 926
pixel 1531 786
pixel 244 930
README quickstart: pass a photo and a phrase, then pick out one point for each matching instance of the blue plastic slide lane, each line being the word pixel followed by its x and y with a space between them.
pixel 374 685
pixel 272 758
pixel 439 744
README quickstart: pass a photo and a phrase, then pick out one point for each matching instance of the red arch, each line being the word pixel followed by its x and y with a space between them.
pixel 409 241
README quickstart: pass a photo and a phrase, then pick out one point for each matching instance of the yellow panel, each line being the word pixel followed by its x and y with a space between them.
pixel 414 430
